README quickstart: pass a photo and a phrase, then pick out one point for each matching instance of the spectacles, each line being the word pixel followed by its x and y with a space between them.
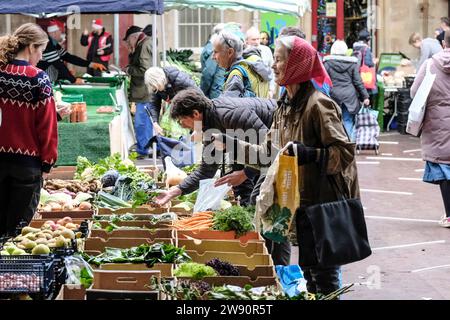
pixel 226 41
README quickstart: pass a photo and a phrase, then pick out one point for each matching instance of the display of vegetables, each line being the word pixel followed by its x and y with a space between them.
pixel 72 187
pixel 145 253
pixel 63 201
pixel 194 270
pixel 198 221
pixel 151 218
pixel 190 290
pixel 223 268
pixel 40 241
pixel 236 218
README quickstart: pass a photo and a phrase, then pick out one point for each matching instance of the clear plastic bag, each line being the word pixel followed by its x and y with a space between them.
pixel 79 272
pixel 210 197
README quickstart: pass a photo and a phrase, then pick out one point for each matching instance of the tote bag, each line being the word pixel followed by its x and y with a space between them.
pixel 419 104
pixel 368 74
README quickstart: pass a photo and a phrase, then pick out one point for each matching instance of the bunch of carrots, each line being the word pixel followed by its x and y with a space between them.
pixel 198 221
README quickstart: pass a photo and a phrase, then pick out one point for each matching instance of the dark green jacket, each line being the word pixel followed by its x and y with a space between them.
pixel 140 61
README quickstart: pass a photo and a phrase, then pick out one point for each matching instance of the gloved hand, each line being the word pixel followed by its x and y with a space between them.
pixel 306 155
pixel 97 66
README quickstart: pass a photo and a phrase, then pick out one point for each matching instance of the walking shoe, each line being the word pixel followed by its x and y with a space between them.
pixel 445 222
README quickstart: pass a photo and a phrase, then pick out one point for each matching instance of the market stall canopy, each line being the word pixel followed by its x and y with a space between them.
pixel 43 7
pixel 295 7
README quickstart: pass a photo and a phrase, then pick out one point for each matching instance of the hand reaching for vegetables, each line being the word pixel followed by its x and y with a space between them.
pixel 234 179
pixel 158 130
pixel 166 196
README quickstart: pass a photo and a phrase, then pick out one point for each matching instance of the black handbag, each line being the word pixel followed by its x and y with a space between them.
pixel 332 234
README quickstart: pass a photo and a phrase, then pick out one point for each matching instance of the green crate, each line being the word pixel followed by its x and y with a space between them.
pixel 70 98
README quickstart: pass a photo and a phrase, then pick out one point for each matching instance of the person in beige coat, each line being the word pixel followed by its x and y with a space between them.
pixel 435 137
pixel 313 121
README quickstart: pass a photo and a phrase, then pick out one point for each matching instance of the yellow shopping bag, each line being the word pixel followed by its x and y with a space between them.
pixel 279 198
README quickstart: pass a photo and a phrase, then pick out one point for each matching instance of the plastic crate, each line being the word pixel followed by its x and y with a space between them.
pixel 27 274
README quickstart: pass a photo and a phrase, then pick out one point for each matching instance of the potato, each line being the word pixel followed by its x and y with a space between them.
pixel 85 206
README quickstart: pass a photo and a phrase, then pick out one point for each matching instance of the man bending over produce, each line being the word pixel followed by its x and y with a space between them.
pixel 191 107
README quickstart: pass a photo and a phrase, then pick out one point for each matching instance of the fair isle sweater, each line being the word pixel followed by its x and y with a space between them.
pixel 28 121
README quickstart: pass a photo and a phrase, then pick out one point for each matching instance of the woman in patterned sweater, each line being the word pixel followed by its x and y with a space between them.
pixel 28 127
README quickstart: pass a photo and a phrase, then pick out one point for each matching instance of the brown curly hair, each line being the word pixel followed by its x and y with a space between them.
pixel 27 34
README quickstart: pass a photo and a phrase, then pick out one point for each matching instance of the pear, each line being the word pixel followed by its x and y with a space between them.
pixel 41 249
pixel 60 242
pixel 10 249
pixel 28 244
pixel 31 236
pixel 68 234
pixel 41 241
pixel 27 230
pixel 18 252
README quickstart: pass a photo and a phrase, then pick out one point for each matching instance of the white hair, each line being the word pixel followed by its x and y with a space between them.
pixel 339 48
pixel 218 28
pixel 227 39
pixel 155 79
pixel 252 31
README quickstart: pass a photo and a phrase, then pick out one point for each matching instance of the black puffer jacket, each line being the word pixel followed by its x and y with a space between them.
pixel 348 87
pixel 177 81
pixel 230 113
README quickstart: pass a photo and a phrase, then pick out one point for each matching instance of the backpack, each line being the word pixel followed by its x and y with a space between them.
pixel 254 85
pixel 249 92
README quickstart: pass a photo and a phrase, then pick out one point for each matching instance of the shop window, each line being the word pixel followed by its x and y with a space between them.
pixel 195 25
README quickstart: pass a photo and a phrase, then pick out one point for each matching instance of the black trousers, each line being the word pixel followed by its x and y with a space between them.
pixel 20 189
pixel 280 252
pixel 322 280
pixel 445 191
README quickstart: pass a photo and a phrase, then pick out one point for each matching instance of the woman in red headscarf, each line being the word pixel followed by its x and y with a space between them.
pixel 313 121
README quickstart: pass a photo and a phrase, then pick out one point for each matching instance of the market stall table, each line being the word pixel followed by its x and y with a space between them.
pixel 103 134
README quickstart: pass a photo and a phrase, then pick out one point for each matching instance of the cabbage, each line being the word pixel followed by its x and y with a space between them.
pixel 60 197
pixel 44 197
pixel 82 197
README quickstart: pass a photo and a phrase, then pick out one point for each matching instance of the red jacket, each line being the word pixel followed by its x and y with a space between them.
pixel 28 121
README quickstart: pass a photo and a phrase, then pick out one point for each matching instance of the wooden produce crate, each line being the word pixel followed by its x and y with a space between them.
pixel 140 234
pixel 71 292
pixel 62 173
pixel 235 258
pixel 123 284
pixel 95 246
pixel 218 235
pixel 137 211
pixel 138 224
pixel 166 269
pixel 74 214
pixel 201 246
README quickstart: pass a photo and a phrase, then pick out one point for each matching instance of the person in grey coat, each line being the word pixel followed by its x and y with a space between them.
pixel 428 47
pixel 164 84
pixel 220 114
pixel 348 89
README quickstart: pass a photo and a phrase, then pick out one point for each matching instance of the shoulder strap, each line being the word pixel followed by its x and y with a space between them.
pixel 245 78
pixel 429 63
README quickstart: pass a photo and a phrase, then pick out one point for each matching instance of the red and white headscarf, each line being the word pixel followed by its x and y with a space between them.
pixel 304 64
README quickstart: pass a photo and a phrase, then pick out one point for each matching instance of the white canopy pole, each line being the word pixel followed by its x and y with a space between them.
pixel 163 36
pixel 155 63
pixel 116 40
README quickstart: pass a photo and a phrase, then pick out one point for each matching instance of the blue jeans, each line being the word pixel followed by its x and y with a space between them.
pixel 143 126
pixel 349 122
